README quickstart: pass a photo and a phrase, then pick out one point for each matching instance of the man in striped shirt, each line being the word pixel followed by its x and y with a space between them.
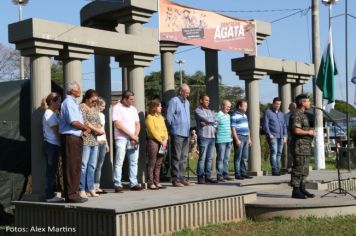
pixel 223 142
pixel 242 140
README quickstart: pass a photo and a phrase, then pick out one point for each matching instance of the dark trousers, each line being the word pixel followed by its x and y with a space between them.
pixel 51 152
pixel 180 149
pixel 154 162
pixel 72 150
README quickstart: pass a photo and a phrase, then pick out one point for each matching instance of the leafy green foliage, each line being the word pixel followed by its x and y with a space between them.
pixel 57 73
pixel 342 106
pixel 153 83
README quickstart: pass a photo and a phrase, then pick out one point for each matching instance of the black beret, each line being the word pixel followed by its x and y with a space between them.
pixel 301 96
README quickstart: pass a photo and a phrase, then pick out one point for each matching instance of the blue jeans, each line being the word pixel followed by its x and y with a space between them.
pixel 241 156
pixel 120 153
pixel 99 164
pixel 222 159
pixel 276 148
pixel 206 146
pixel 89 158
pixel 51 152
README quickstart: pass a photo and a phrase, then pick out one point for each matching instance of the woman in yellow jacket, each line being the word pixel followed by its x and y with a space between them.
pixel 157 137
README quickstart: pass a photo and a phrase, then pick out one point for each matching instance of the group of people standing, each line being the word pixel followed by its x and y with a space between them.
pixel 78 132
pixel 221 130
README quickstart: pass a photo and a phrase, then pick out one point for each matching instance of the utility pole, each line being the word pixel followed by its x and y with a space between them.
pixel 318 96
pixel 180 62
pixel 21 3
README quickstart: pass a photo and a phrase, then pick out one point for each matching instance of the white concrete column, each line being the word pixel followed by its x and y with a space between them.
pixel 285 95
pixel 136 77
pixel 103 87
pixel 253 91
pixel 72 71
pixel 167 69
pixel 124 79
pixel 296 90
pixel 40 88
pixel 212 77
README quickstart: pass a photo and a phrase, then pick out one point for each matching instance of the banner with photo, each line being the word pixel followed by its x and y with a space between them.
pixel 178 23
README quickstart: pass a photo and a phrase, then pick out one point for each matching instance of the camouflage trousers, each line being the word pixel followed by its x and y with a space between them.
pixel 300 170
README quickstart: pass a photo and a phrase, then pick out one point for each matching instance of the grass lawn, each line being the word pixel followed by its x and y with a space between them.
pixel 341 225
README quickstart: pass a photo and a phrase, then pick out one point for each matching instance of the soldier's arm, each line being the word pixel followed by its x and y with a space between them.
pixel 302 132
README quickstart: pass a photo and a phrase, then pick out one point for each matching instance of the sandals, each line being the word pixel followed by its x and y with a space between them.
pixel 152 187
pixel 159 186
pixel 100 191
pixel 82 194
pixel 93 194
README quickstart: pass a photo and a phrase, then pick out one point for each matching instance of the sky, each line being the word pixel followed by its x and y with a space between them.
pixel 290 39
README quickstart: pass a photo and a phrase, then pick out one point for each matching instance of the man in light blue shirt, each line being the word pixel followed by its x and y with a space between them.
pixel 71 128
pixel 178 119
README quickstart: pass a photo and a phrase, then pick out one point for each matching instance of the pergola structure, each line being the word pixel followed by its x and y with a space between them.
pixel 115 29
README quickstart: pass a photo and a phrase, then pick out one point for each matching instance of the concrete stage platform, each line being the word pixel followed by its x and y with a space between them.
pixel 158 212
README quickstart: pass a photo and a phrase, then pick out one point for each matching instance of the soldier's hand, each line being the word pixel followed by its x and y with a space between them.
pixel 311 132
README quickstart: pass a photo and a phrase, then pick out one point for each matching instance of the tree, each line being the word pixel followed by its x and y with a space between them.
pixel 342 106
pixel 153 83
pixel 57 73
pixel 9 63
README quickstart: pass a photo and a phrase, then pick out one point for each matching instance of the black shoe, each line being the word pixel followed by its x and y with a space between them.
pixel 118 189
pixel 210 180
pixel 201 181
pixel 247 177
pixel 276 174
pixel 77 200
pixel 137 187
pixel 239 177
pixel 220 179
pixel 298 194
pixel 306 193
pixel 228 178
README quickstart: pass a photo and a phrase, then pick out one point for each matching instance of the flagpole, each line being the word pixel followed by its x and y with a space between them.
pixel 347 88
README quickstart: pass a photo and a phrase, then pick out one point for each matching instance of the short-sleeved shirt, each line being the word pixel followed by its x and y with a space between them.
pixel 102 138
pixel 49 120
pixel 128 116
pixel 69 113
pixel 223 129
pixel 301 144
pixel 239 122
pixel 90 116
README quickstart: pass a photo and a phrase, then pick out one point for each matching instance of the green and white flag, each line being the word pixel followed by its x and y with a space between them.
pixel 327 71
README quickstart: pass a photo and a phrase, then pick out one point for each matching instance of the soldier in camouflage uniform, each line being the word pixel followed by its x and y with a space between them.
pixel 302 137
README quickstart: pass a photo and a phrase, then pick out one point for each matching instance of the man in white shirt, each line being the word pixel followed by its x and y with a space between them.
pixel 126 133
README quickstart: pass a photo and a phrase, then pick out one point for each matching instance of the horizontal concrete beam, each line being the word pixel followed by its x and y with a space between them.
pixel 272 66
pixel 101 41
pixel 117 11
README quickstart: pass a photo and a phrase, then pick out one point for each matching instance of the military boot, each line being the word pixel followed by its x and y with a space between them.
pixel 305 192
pixel 298 194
